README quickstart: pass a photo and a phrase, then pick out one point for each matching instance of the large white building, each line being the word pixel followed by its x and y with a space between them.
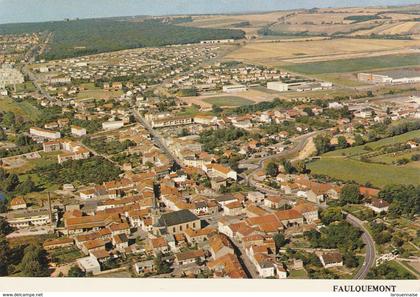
pixel 383 79
pixel 89 265
pixel 234 88
pixel 216 41
pixel 42 133
pixel 24 219
pixel 171 121
pixel 277 86
pixel 112 125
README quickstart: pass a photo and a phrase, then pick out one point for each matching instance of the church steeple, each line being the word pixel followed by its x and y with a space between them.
pixel 155 211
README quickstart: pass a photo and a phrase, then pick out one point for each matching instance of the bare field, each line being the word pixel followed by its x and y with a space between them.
pixel 404 28
pixel 400 16
pixel 226 21
pixel 325 28
pixel 352 10
pixel 251 96
pixel 278 53
pixel 322 18
pixel 398 28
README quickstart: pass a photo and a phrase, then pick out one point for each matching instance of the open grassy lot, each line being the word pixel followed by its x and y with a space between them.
pixel 352 65
pixel 357 150
pixel 26 86
pixel 377 174
pixel 391 158
pixel 228 101
pixel 399 267
pixel 92 92
pixel 298 274
pixel 46 159
pixel 65 255
pixel 346 165
pixel 24 109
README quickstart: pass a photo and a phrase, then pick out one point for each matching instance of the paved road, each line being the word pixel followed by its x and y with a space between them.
pixel 248 267
pixel 370 248
pixel 300 143
pixel 156 137
pixel 31 76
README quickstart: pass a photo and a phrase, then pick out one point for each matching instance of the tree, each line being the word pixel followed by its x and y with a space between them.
pixel 350 194
pixel 342 142
pixel 388 271
pixel 331 214
pixel 4 255
pixel 75 271
pixel 23 140
pixel 372 136
pixel 350 260
pixel 272 169
pixel 358 140
pixel 3 135
pixel 3 205
pixel 288 167
pixel 4 227
pixel 216 109
pixel 34 262
pixel 322 144
pixel 162 266
pixel 309 111
pixel 26 187
pixel 11 182
pixel 279 241
pixel 300 166
pixel 9 119
pixel 404 199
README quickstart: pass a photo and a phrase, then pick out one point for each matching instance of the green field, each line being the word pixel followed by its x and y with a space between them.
pixel 26 86
pixel 24 109
pixel 377 174
pixel 298 274
pixel 354 65
pixel 390 158
pixel 358 150
pixel 228 101
pixel 46 159
pixel 345 164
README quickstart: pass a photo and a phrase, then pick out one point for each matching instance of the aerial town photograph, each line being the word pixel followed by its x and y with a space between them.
pixel 227 140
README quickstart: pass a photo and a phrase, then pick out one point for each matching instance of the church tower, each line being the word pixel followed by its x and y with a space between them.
pixel 155 212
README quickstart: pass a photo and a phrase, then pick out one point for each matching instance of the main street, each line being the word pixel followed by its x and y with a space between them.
pixel 31 76
pixel 156 137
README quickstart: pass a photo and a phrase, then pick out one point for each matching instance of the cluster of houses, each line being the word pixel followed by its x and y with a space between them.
pixel 154 64
pixel 13 47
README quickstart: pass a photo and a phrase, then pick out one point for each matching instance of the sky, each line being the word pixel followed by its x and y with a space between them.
pixel 15 11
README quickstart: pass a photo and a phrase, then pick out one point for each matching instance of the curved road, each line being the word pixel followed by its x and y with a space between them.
pixel 370 247
pixel 301 142
pixel 366 237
